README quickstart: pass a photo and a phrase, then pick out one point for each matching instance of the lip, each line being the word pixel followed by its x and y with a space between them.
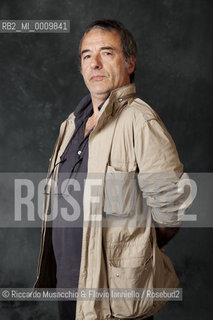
pixel 98 77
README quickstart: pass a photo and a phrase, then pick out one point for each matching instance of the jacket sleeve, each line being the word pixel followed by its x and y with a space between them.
pixel 160 173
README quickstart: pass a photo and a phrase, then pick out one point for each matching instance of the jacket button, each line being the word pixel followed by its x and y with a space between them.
pixel 117 275
pixel 120 100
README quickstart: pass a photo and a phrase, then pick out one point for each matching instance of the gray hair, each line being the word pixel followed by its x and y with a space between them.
pixel 128 44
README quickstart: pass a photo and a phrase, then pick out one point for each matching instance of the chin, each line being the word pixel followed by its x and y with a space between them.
pixel 99 89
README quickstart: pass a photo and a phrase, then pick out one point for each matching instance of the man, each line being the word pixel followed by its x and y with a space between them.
pixel 111 134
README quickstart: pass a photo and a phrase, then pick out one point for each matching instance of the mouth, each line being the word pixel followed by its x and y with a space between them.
pixel 97 78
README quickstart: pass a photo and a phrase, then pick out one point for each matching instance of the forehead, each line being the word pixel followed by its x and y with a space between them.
pixel 101 38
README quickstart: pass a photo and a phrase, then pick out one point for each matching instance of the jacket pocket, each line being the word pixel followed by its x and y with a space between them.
pixel 120 193
pixel 128 283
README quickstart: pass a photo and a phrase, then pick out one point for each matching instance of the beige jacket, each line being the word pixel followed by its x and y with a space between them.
pixel 129 142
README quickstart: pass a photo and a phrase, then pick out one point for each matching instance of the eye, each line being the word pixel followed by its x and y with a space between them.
pixel 107 53
pixel 86 57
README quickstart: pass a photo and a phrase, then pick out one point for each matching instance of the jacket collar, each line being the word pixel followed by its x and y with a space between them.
pixel 116 98
pixel 119 94
pixel 116 101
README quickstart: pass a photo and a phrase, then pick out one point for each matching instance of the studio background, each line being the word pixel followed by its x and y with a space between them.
pixel 40 85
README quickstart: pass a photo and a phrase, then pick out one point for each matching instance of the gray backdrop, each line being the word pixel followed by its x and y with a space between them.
pixel 40 85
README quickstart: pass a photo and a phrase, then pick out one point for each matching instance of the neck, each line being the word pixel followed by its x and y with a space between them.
pixel 97 100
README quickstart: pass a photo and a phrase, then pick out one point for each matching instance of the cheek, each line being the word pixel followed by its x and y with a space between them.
pixel 117 69
pixel 112 71
pixel 84 72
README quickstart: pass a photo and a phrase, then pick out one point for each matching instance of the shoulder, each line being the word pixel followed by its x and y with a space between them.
pixel 144 120
pixel 139 113
pixel 142 110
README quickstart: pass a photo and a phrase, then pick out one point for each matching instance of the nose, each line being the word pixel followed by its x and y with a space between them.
pixel 96 62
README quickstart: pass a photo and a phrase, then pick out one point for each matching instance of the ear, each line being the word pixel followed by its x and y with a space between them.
pixel 131 64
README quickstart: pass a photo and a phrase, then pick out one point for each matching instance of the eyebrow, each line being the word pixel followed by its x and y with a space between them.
pixel 102 48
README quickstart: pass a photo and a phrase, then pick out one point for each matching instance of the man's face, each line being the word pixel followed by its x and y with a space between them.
pixel 103 64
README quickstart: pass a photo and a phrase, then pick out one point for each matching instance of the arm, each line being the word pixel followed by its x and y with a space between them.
pixel 160 171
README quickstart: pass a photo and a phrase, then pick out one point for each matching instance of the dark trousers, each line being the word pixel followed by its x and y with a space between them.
pixel 67 310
